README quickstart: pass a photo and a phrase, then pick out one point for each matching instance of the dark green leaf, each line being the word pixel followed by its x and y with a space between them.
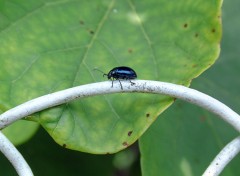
pixel 185 139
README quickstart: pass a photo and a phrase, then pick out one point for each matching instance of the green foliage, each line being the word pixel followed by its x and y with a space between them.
pixel 186 138
pixel 46 45
pixel 20 131
pixel 53 45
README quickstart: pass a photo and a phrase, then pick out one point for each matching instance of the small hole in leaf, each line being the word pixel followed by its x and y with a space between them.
pixel 148 115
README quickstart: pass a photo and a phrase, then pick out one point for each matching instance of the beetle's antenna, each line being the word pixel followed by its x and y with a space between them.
pixel 100 71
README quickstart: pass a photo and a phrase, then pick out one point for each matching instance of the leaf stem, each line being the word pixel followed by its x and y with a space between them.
pixel 13 155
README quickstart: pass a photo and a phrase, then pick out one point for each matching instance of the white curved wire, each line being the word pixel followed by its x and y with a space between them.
pixel 223 158
pixel 142 86
pixel 14 156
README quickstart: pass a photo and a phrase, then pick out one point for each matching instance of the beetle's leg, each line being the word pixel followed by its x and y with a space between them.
pixel 120 84
pixel 112 82
pixel 132 83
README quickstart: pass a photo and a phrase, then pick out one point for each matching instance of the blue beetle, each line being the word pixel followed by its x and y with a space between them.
pixel 123 72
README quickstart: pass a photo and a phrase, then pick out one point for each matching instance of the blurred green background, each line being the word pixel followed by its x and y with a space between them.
pixel 187 137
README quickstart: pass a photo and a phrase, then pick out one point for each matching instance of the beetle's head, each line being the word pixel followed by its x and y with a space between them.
pixel 108 75
pixel 105 75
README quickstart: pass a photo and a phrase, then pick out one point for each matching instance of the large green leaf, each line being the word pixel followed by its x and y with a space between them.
pixel 21 131
pixel 52 45
pixel 186 139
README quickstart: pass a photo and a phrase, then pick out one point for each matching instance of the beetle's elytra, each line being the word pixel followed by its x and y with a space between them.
pixel 123 72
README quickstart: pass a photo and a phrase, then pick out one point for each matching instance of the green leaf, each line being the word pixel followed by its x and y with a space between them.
pixel 53 45
pixel 21 131
pixel 185 139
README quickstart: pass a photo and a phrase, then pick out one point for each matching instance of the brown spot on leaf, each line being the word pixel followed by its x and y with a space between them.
pixel 185 25
pixel 81 22
pixel 130 133
pixel 148 115
pixel 194 65
pixel 196 35
pixel 202 118
pixel 213 30
pixel 130 50
pixel 125 144
pixel 64 145
pixel 91 32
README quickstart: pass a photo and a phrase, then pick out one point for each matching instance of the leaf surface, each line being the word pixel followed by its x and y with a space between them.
pixel 53 45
